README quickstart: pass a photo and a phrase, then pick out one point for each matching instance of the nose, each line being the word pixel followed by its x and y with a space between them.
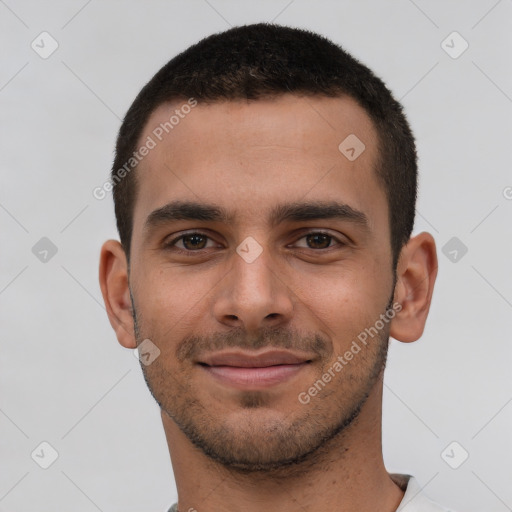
pixel 253 295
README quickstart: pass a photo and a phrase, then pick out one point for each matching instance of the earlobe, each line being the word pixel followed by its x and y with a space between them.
pixel 416 275
pixel 113 276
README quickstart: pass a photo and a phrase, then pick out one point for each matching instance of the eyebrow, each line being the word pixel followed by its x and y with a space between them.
pixel 291 212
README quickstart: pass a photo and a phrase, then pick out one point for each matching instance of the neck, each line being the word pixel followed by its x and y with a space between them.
pixel 345 474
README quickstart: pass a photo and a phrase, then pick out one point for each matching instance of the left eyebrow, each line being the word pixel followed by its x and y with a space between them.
pixel 291 212
pixel 300 212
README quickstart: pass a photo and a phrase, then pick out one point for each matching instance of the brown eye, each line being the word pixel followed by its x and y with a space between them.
pixel 317 240
pixel 194 241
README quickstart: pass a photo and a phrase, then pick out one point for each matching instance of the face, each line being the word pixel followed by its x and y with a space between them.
pixel 260 258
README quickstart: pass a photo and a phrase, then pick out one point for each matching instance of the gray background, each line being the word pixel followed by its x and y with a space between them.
pixel 65 380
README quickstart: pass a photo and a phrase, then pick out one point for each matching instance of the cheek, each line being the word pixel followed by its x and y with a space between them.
pixel 172 300
pixel 345 302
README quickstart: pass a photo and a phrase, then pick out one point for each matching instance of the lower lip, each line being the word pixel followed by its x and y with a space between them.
pixel 254 377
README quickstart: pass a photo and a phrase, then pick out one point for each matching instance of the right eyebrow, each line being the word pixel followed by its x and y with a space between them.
pixel 186 210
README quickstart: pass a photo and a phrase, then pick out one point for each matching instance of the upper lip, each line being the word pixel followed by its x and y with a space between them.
pixel 244 359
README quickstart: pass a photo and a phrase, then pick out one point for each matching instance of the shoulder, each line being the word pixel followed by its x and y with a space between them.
pixel 414 499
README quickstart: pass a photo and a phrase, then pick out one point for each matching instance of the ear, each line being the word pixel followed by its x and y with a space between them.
pixel 416 275
pixel 116 293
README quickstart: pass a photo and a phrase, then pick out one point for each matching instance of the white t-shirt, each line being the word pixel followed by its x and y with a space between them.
pixel 413 501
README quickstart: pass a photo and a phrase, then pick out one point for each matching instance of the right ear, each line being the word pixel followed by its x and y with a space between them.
pixel 116 292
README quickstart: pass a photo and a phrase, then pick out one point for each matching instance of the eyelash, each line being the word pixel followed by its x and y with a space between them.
pixel 190 252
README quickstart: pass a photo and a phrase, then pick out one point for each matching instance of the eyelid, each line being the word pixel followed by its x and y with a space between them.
pixel 172 243
pixel 298 236
pixel 320 231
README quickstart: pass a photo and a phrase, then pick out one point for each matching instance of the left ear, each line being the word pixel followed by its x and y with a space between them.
pixel 416 275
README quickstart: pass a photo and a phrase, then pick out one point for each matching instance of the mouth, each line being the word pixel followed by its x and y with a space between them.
pixel 250 370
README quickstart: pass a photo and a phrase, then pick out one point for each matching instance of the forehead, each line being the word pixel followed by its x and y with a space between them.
pixel 249 154
pixel 300 122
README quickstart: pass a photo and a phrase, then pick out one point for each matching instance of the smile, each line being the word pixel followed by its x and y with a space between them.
pixel 254 371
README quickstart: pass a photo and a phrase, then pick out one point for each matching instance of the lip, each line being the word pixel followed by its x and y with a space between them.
pixel 254 359
pixel 254 370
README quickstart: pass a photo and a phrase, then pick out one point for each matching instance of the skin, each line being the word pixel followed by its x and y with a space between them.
pixel 251 448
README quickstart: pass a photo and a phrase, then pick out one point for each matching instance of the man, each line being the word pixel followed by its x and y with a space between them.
pixel 265 185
